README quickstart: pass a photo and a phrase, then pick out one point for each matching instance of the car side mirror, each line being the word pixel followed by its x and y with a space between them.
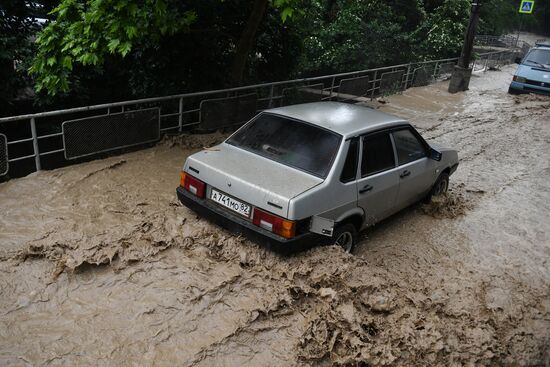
pixel 518 60
pixel 435 155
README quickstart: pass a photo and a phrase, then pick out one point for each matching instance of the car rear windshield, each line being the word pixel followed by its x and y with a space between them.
pixel 293 143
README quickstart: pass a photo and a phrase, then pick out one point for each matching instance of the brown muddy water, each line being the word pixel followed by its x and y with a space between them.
pixel 100 265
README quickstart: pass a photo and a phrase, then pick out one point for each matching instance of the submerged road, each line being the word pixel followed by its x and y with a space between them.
pixel 100 265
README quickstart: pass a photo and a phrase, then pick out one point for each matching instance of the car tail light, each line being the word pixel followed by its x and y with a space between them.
pixel 273 223
pixel 192 184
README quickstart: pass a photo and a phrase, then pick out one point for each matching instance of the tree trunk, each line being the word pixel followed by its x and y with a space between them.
pixel 328 16
pixel 246 42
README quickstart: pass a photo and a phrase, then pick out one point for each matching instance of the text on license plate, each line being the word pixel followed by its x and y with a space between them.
pixel 229 202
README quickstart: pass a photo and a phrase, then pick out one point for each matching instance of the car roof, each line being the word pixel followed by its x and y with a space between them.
pixel 343 118
pixel 542 44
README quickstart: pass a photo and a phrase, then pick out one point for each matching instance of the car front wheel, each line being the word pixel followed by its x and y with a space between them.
pixel 513 91
pixel 345 237
pixel 441 185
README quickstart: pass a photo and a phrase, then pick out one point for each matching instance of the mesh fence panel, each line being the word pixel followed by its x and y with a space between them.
pixel 3 155
pixel 391 82
pixel 92 135
pixel 492 63
pixel 304 94
pixel 354 86
pixel 444 70
pixel 223 112
pixel 423 75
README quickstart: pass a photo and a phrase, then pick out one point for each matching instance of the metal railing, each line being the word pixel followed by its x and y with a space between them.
pixel 178 112
pixel 507 41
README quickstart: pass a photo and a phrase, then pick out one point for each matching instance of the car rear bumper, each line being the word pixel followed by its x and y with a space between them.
pixel 528 88
pixel 207 209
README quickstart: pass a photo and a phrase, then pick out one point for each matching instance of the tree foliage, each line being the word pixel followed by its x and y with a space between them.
pixel 442 32
pixel 86 31
pixel 498 17
pixel 17 27
pixel 93 51
pixel 365 33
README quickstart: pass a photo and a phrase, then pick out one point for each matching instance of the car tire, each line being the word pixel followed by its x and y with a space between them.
pixel 345 236
pixel 513 91
pixel 441 185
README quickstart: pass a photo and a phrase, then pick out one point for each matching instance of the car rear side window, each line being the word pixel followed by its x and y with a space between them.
pixel 349 173
pixel 377 154
pixel 408 147
pixel 294 143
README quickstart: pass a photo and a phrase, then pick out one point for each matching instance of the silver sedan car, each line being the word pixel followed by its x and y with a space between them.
pixel 313 174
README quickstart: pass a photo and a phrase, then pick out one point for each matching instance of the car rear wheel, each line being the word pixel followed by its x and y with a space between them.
pixel 345 237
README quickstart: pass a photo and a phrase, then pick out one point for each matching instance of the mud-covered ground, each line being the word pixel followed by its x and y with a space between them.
pixel 100 265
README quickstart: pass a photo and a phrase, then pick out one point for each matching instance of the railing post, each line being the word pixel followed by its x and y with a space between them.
pixel 271 91
pixel 407 77
pixel 35 145
pixel 332 88
pixel 180 114
pixel 373 84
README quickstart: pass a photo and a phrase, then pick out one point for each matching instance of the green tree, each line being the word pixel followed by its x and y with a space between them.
pixel 87 32
pixel 441 34
pixel 17 26
pixel 541 13
pixel 343 35
pixel 498 17
pixel 103 50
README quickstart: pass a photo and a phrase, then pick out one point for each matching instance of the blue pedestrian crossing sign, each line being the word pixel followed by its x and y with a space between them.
pixel 526 6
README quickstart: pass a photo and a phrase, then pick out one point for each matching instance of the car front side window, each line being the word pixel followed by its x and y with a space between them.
pixel 408 147
pixel 377 154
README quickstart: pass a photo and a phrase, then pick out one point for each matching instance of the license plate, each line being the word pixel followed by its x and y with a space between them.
pixel 230 203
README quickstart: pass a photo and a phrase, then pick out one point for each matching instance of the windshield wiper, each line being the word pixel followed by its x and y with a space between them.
pixel 536 62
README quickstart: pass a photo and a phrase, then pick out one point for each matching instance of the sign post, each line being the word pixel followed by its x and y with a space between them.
pixel 526 7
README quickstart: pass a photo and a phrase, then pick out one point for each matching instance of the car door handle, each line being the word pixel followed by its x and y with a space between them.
pixel 405 174
pixel 365 189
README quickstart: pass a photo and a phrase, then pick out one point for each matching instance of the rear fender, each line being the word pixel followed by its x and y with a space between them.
pixel 355 212
pixel 324 225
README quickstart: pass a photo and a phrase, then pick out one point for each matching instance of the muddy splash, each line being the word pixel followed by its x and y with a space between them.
pixel 455 202
pixel 100 265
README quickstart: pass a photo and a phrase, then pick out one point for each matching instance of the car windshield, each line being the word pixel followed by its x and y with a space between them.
pixel 539 58
pixel 290 142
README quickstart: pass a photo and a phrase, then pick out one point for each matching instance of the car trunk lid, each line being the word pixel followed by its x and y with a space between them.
pixel 249 177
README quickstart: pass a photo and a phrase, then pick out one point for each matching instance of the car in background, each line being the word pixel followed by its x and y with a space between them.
pixel 533 73
pixel 314 174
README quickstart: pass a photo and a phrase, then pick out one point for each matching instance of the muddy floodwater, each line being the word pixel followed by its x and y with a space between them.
pixel 100 265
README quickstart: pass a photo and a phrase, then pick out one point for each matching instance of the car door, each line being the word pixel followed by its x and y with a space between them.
pixel 415 173
pixel 378 184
